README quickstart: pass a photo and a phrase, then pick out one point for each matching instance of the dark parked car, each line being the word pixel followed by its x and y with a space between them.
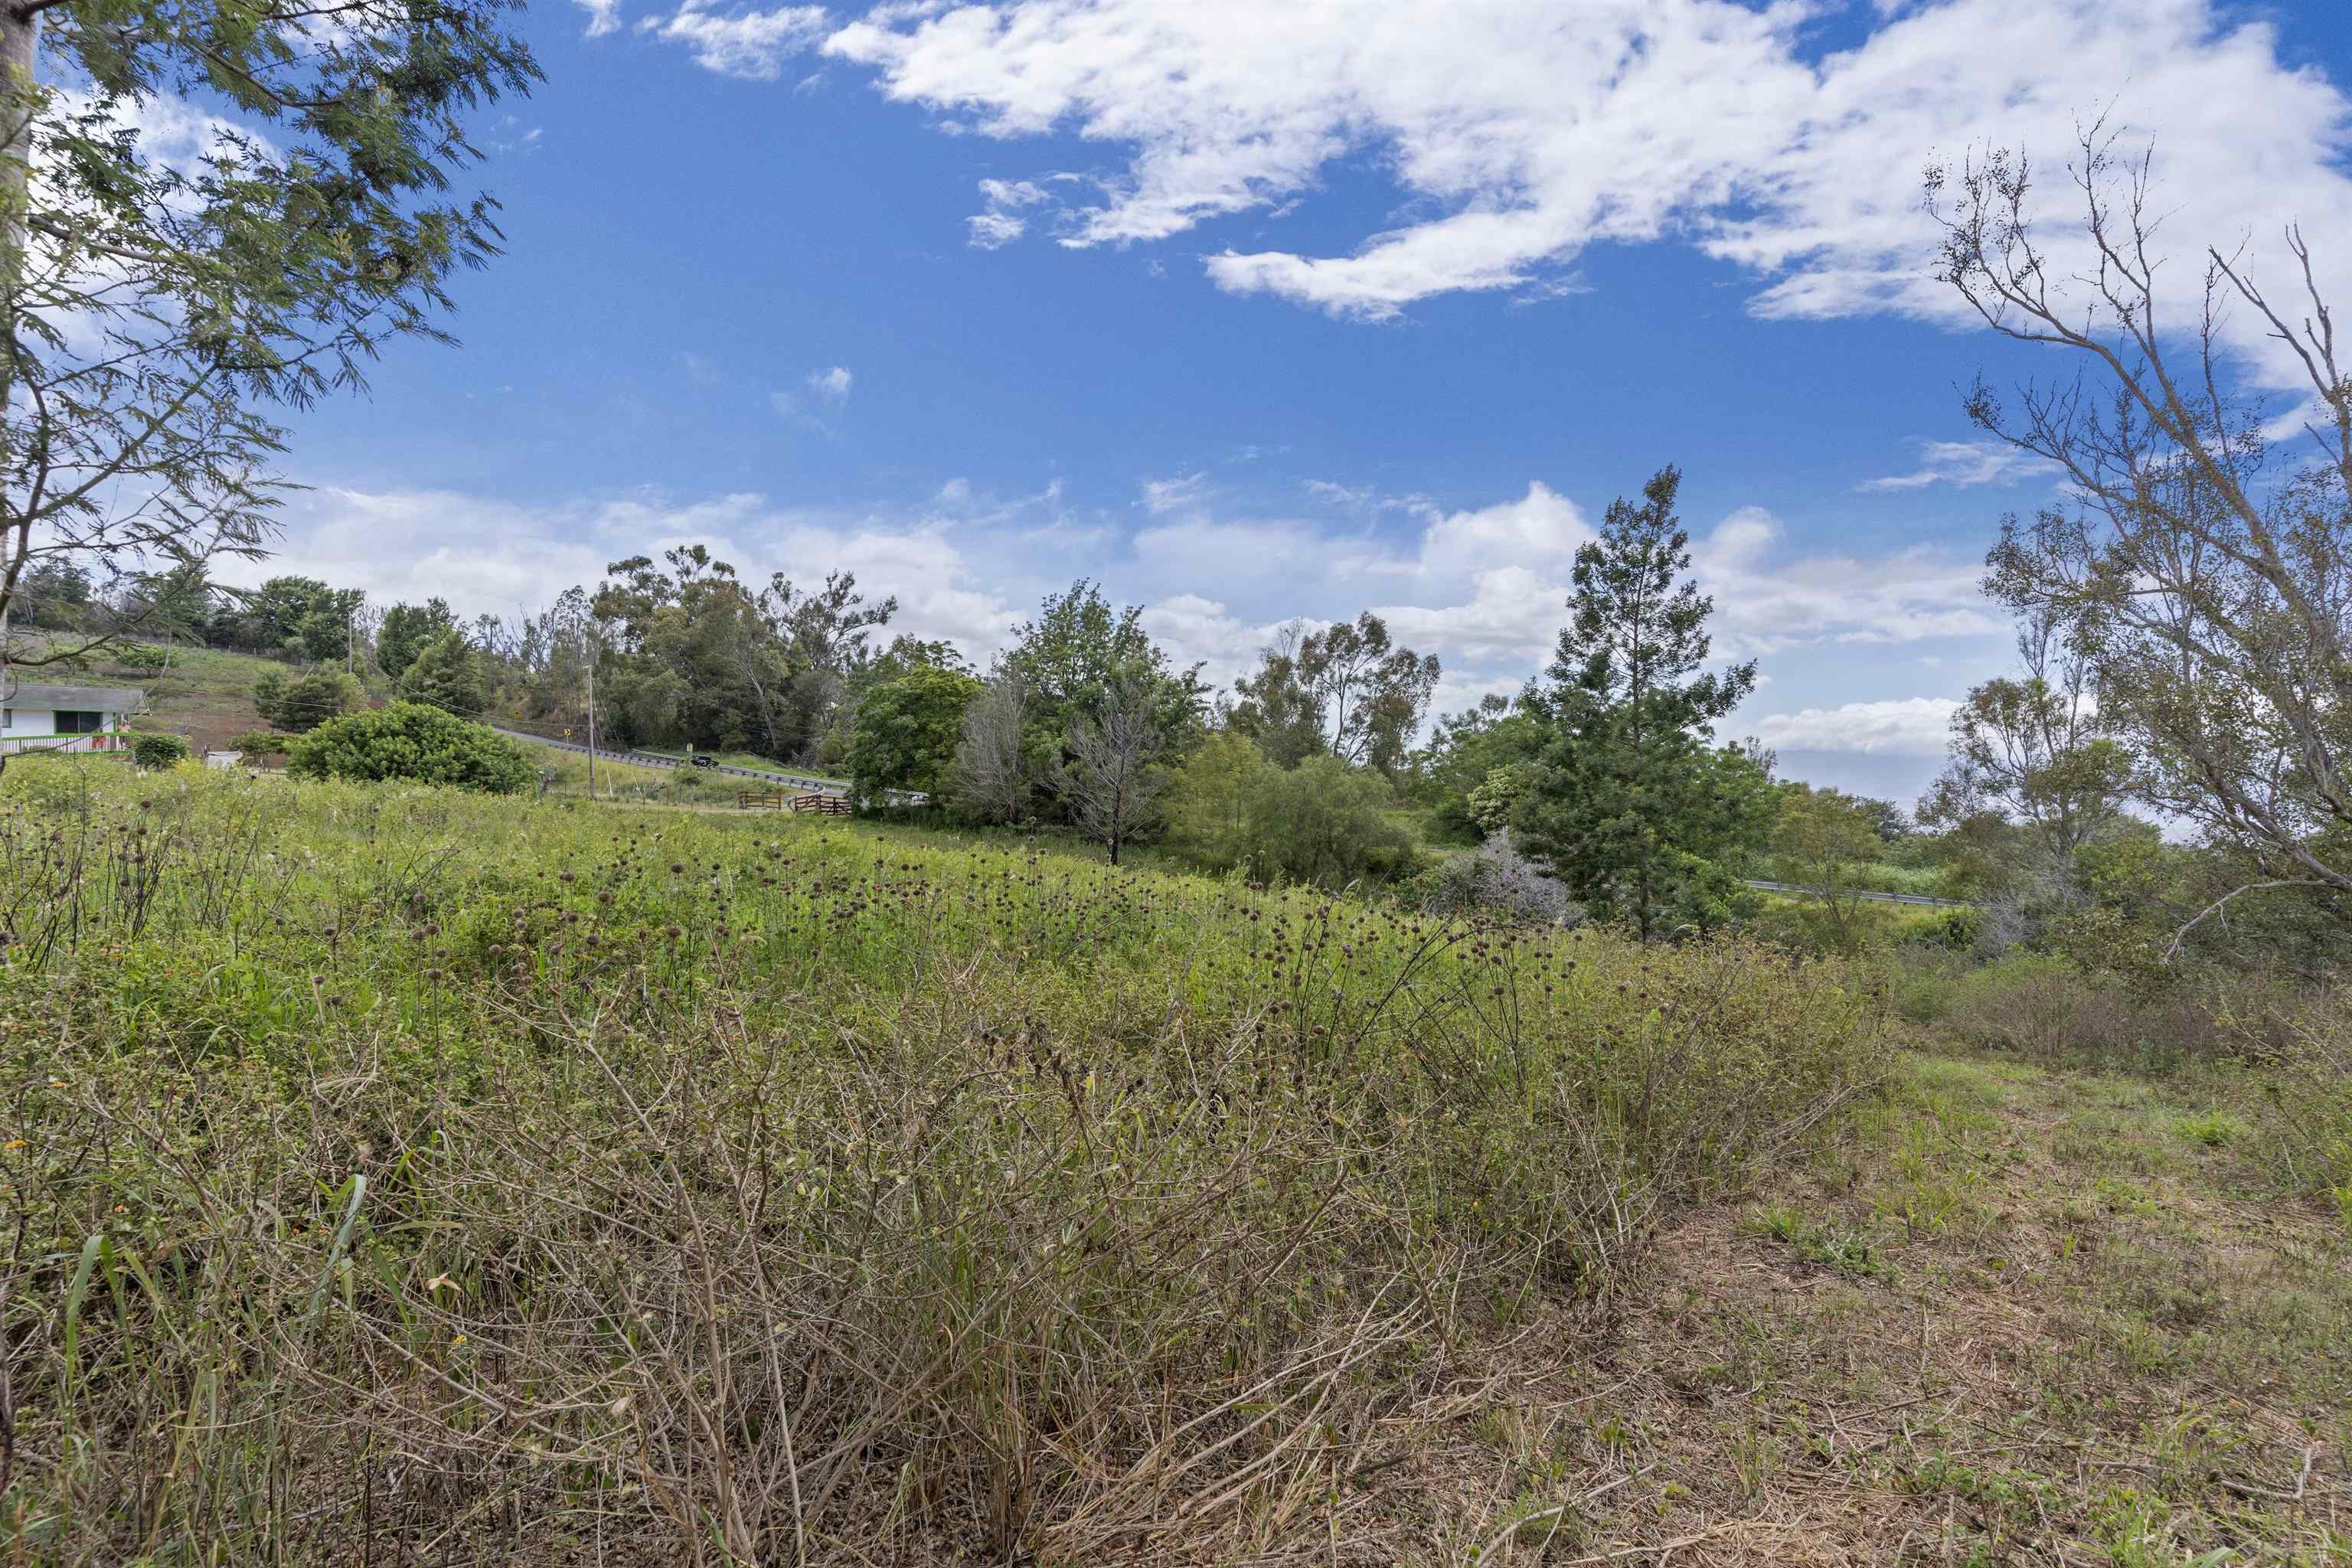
pixel 704 761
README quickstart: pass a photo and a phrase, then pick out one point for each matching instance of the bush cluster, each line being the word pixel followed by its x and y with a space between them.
pixel 714 1183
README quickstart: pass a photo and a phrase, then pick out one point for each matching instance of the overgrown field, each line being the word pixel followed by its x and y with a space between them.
pixel 396 1175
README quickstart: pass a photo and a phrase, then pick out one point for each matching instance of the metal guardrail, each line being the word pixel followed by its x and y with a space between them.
pixel 1866 895
pixel 659 760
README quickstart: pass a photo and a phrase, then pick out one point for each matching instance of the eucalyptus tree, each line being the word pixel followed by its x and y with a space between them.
pixel 2201 565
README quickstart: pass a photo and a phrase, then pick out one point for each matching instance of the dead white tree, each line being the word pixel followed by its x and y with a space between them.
pixel 994 774
pixel 1111 781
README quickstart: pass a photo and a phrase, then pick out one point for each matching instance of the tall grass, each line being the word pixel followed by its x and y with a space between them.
pixel 391 1172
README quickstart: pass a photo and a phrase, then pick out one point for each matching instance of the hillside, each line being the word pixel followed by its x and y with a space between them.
pixel 590 1170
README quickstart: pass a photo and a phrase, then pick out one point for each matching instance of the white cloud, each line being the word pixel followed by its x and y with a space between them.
pixel 749 44
pixel 1168 495
pixel 831 385
pixel 1767 598
pixel 701 369
pixel 1002 222
pixel 1487 588
pixel 1517 136
pixel 1964 464
pixel 496 557
pixel 1908 726
pixel 603 16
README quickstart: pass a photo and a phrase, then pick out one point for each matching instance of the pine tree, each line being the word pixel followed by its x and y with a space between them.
pixel 444 674
pixel 1630 802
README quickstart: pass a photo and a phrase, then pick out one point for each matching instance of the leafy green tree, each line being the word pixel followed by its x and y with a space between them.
pixel 1346 690
pixel 907 732
pixel 56 596
pixel 178 603
pixel 2033 750
pixel 1080 649
pixel 1623 803
pixel 157 299
pixel 447 674
pixel 1323 821
pixel 1821 839
pixel 307 701
pixel 406 629
pixel 410 741
pixel 1209 797
pixel 299 616
pixel 1465 752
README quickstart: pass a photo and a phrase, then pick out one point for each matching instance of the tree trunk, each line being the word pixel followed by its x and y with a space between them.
pixel 20 32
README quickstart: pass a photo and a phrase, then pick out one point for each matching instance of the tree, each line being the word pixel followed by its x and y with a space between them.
pixel 995 774
pixel 1324 822
pixel 56 596
pixel 157 750
pixel 1821 839
pixel 1111 781
pixel 155 303
pixel 2033 750
pixel 307 701
pixel 1209 796
pixel 907 732
pixel 410 740
pixel 1628 804
pixel 2200 570
pixel 1345 691
pixel 1464 753
pixel 446 674
pixel 1079 650
pixel 405 629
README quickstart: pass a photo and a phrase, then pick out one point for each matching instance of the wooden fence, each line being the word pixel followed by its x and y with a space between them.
pixel 777 800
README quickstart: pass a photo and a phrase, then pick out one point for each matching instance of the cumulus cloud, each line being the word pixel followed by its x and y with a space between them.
pixel 603 16
pixel 1966 464
pixel 1908 726
pixel 496 557
pixel 1517 139
pixel 750 45
pixel 830 385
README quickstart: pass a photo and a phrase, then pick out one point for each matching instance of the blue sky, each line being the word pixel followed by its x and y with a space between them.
pixel 1269 309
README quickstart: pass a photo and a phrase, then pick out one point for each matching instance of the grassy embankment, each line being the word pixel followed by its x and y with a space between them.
pixel 395 1172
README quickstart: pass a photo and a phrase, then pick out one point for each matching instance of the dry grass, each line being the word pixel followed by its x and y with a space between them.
pixel 2027 1317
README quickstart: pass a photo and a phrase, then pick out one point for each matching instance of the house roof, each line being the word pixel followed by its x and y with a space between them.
pixel 75 699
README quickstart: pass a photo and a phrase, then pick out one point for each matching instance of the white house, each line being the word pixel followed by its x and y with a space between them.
pixel 34 718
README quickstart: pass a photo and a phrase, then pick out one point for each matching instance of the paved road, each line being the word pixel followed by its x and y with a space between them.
pixel 656 760
pixel 1871 898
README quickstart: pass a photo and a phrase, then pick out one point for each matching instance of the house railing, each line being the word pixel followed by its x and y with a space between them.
pixel 18 746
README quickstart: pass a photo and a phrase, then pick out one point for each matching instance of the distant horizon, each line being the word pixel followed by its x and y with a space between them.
pixel 1293 315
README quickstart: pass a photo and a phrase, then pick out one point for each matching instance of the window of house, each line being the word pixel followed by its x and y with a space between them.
pixel 78 721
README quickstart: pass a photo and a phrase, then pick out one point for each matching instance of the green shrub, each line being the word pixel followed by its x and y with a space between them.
pixel 260 744
pixel 1322 822
pixel 157 750
pixel 307 701
pixel 410 740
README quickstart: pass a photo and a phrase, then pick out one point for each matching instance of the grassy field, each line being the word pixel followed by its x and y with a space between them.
pixel 394 1173
pixel 400 1175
